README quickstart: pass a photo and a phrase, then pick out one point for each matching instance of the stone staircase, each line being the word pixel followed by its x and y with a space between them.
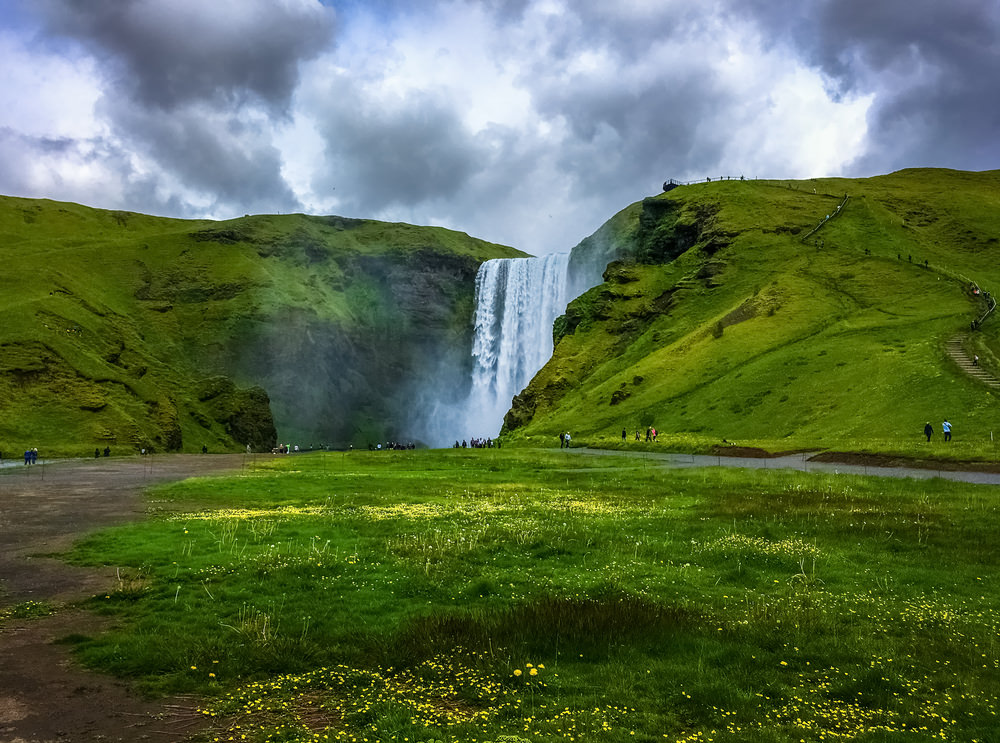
pixel 954 348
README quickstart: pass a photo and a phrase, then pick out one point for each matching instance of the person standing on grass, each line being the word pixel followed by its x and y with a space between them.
pixel 928 430
pixel 946 428
pixel 624 435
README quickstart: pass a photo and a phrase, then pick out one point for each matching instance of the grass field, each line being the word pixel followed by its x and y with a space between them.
pixel 471 595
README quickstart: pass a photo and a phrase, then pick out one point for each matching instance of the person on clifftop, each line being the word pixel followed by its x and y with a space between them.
pixel 928 430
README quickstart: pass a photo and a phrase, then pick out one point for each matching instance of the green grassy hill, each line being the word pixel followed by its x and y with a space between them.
pixel 126 330
pixel 726 319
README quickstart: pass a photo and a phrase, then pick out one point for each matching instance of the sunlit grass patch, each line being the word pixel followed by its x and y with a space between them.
pixel 745 546
pixel 876 702
pixel 457 696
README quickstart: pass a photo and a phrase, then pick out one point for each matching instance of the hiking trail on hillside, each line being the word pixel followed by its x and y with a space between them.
pixel 955 349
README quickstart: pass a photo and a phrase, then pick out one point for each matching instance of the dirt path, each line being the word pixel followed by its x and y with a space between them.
pixel 44 696
pixel 842 463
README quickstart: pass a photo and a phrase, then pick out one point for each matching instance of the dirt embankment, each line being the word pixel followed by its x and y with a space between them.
pixel 859 458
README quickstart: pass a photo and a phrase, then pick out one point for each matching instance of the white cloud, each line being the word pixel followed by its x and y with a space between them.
pixel 47 94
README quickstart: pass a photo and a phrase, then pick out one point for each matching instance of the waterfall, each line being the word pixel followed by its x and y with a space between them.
pixel 517 300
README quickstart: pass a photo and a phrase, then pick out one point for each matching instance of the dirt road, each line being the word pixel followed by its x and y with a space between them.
pixel 44 696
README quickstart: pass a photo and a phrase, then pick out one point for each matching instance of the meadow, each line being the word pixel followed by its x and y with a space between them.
pixel 485 595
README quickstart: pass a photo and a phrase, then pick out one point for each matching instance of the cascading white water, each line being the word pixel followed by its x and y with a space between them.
pixel 517 300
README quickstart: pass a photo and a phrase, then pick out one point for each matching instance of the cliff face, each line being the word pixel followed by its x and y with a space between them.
pixel 133 331
pixel 357 380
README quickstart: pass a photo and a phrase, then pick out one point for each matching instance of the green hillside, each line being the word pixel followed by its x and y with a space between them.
pixel 130 331
pixel 726 319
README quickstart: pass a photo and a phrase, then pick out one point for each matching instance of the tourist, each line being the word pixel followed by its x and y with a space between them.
pixel 624 435
pixel 946 428
pixel 928 430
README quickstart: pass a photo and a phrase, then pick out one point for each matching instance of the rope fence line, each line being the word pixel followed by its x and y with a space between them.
pixel 671 183
pixel 991 304
pixel 827 218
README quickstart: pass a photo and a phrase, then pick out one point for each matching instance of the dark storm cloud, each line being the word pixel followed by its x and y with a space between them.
pixel 395 152
pixel 194 90
pixel 168 54
pixel 934 68
pixel 621 136
pixel 629 117
pixel 232 163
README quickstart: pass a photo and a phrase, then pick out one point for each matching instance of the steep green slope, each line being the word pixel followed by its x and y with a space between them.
pixel 726 319
pixel 127 330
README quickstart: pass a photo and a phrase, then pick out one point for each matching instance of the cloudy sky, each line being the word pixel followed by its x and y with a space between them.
pixel 525 122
